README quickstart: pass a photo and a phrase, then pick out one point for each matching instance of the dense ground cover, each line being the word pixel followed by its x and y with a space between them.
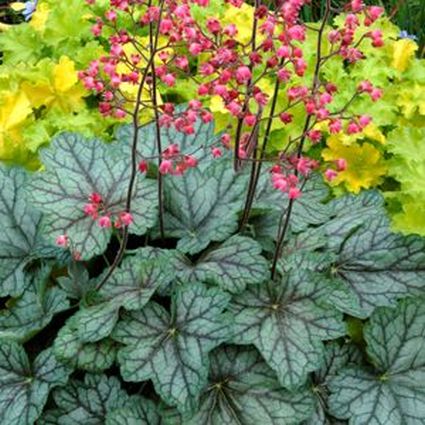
pixel 211 213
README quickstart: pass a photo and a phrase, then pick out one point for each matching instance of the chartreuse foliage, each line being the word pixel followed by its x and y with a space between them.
pixel 190 330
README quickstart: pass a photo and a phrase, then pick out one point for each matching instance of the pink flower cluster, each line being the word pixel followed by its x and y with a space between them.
pixel 96 209
pixel 231 71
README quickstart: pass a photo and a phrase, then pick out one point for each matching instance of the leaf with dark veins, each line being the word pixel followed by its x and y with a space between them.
pixel 19 231
pixel 393 391
pixel 202 205
pixel 172 350
pixel 337 357
pixel 93 357
pixel 243 390
pixel 24 388
pixel 90 402
pixel 232 265
pixel 26 315
pixel 379 266
pixel 130 286
pixel 75 168
pixel 287 321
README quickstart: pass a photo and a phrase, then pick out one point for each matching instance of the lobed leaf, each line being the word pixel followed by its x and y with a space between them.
pixel 75 168
pixel 243 390
pixel 392 392
pixel 172 350
pixel 235 263
pixel 202 205
pixel 287 320
pixel 24 388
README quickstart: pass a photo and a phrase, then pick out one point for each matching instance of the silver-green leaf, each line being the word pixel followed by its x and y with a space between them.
pixel 232 265
pixel 243 390
pixel 19 231
pixel 75 168
pixel 91 402
pixel 24 388
pixel 287 321
pixel 202 205
pixel 392 392
pixel 172 350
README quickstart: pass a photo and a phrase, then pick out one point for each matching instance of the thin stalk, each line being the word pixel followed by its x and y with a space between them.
pixel 315 85
pixel 133 172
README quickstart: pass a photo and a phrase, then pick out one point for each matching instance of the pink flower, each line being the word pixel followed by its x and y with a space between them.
pixel 330 174
pixel 104 222
pixel 126 218
pixel 166 166
pixel 91 210
pixel 353 128
pixel 62 241
pixel 335 126
pixel 294 193
pixel 169 80
pixel 243 74
pixel 364 120
pixel 143 166
pixel 376 94
pixel 286 117
pixel 96 198
pixel 250 119
pixel 341 164
pixel 216 152
pixel 190 161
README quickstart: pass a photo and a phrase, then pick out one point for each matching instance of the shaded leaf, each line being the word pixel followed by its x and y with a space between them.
pixel 393 391
pixel 286 321
pixel 75 168
pixel 137 411
pixel 232 265
pixel 33 310
pixel 130 286
pixel 336 358
pixel 24 388
pixel 243 390
pixel 93 357
pixel 172 350
pixel 90 402
pixel 19 231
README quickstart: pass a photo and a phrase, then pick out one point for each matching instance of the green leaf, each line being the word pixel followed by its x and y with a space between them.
pixel 24 388
pixel 349 213
pixel 309 209
pixel 392 392
pixel 93 357
pixel 77 284
pixel 91 402
pixel 137 411
pixel 130 286
pixel 336 358
pixel 232 265
pixel 172 350
pixel 379 266
pixel 33 310
pixel 202 205
pixel 75 168
pixel 243 390
pixel 19 231
pixel 286 321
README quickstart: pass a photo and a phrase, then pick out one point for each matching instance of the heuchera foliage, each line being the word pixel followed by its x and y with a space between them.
pixel 180 275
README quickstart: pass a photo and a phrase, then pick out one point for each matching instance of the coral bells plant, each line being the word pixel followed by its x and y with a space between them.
pixel 194 271
pixel 166 44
